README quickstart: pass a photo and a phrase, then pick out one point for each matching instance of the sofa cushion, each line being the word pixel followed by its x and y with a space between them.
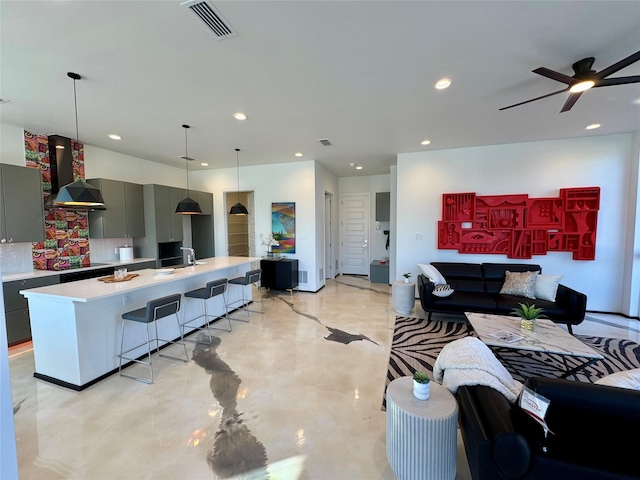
pixel 461 301
pixel 546 286
pixel 494 273
pixel 520 284
pixel 506 303
pixel 462 277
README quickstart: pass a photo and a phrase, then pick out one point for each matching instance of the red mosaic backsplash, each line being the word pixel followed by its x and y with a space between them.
pixel 66 244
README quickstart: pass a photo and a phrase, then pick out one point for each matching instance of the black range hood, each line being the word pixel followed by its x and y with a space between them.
pixel 65 192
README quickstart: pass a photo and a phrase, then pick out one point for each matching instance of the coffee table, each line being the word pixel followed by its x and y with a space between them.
pixel 547 337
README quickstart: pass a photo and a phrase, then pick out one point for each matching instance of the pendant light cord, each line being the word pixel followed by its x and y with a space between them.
pixel 238 173
pixel 186 154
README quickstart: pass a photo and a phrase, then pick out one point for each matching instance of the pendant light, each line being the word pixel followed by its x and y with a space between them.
pixel 78 193
pixel 238 208
pixel 188 206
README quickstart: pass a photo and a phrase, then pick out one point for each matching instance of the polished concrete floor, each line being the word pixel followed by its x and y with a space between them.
pixel 295 393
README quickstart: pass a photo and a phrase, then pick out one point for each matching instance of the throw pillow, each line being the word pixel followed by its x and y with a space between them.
pixel 520 284
pixel 546 286
pixel 432 273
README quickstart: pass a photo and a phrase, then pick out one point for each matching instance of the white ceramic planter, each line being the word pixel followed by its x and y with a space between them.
pixel 421 390
pixel 406 280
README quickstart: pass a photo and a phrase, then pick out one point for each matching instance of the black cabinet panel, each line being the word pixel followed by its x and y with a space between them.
pixel 279 274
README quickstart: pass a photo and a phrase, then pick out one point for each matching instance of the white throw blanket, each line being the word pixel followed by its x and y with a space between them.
pixel 468 361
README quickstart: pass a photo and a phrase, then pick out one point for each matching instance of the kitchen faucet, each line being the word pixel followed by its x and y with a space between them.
pixel 191 258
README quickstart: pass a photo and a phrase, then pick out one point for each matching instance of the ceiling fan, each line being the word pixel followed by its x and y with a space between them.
pixel 584 79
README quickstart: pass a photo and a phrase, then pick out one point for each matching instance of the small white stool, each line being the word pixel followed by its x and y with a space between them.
pixel 404 297
pixel 421 434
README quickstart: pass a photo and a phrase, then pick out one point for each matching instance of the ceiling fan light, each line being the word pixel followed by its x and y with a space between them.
pixel 582 86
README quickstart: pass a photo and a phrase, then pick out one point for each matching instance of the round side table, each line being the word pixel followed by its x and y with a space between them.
pixel 404 297
pixel 421 434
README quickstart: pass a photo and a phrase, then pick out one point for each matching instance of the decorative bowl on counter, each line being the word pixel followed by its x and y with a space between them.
pixel 164 271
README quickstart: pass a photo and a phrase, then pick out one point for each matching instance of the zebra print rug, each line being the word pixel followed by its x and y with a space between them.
pixel 417 343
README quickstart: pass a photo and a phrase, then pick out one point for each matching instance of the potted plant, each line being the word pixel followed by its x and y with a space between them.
pixel 421 385
pixel 528 315
pixel 406 276
pixel 269 241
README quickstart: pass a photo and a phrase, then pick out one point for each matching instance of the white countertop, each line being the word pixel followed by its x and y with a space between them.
pixel 93 289
pixel 10 277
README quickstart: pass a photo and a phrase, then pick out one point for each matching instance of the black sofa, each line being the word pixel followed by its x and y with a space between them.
pixel 594 427
pixel 477 289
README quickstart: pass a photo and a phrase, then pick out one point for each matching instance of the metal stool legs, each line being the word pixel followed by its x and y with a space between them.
pixel 250 278
pixel 210 290
pixel 155 310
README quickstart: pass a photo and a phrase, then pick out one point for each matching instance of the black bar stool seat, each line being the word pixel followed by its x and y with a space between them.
pixel 153 311
pixel 210 290
pixel 252 277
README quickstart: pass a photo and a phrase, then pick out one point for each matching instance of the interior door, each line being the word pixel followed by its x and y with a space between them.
pixel 355 233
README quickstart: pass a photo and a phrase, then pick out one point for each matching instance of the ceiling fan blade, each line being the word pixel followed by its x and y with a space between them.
pixel 617 81
pixel 573 98
pixel 619 65
pixel 560 77
pixel 534 99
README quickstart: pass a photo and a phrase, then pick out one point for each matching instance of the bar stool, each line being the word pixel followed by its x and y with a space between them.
pixel 155 310
pixel 250 278
pixel 210 290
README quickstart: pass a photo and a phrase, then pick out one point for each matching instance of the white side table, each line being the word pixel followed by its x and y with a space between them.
pixel 404 296
pixel 421 434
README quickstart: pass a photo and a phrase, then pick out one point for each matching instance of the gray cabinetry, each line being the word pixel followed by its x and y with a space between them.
pixel 140 266
pixel 16 307
pixel 21 205
pixel 383 202
pixel 167 224
pixel 205 200
pixel 163 226
pixel 124 214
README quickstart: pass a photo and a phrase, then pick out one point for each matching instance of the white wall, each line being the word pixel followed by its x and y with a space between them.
pixel 8 455
pixel 326 182
pixel 539 169
pixel 285 182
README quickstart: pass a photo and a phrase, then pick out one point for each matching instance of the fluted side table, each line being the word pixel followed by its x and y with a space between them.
pixel 421 434
pixel 404 296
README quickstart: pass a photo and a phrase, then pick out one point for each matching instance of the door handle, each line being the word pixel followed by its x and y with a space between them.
pixel 365 244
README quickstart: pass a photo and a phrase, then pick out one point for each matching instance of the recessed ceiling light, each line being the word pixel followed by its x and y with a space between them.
pixel 359 167
pixel 443 83
pixel 239 116
pixel 352 164
pixel 298 154
pixel 425 142
pixel 204 164
pixel 113 136
pixel 592 126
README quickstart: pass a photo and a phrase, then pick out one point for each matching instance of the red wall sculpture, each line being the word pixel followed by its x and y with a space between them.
pixel 518 226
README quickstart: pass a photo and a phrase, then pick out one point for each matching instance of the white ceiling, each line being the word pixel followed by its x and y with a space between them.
pixel 359 73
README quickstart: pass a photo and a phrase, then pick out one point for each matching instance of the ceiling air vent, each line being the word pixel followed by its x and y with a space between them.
pixel 325 142
pixel 210 16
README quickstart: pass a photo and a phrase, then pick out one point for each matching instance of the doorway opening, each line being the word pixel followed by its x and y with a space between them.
pixel 240 228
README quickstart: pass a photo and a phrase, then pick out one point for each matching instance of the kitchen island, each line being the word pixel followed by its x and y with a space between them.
pixel 76 326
